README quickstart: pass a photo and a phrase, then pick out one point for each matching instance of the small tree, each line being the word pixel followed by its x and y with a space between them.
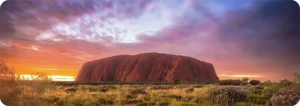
pixel 245 81
pixel 254 82
pixel 8 90
pixel 6 73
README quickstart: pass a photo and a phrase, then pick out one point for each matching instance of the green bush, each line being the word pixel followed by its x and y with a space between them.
pixel 254 82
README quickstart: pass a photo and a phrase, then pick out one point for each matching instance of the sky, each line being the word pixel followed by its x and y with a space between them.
pixel 258 39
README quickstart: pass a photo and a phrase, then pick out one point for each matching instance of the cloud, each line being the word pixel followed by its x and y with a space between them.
pixel 251 36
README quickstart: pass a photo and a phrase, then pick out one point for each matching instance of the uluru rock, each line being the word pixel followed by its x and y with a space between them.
pixel 147 67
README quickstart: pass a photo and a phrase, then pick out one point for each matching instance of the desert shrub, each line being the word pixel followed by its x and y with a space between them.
pixel 257 99
pixel 236 82
pixel 163 103
pixel 151 103
pixel 90 103
pixel 110 87
pixel 180 86
pixel 62 102
pixel 254 82
pixel 187 98
pixel 103 89
pixel 269 91
pixel 285 82
pixel 197 99
pixel 9 94
pixel 225 82
pixel 161 87
pixel 70 90
pixel 267 83
pixel 199 86
pixel 7 73
pixel 78 101
pixel 176 81
pixel 183 104
pixel 39 84
pixel 258 90
pixel 189 90
pixel 130 96
pixel 8 84
pixel 244 81
pixel 131 101
pixel 230 82
pixel 52 99
pixel 297 81
pixel 92 89
pixel 172 96
pixel 105 101
pixel 285 96
pixel 226 95
pixel 142 104
pixel 138 91
pixel 30 101
pixel 142 97
pixel 83 88
pixel 244 104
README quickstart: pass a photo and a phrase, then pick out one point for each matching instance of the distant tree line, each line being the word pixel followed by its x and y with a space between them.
pixel 244 81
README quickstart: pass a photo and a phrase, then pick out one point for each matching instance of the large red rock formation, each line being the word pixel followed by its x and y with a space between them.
pixel 147 67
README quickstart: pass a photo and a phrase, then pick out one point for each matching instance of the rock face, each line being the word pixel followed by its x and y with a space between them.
pixel 148 67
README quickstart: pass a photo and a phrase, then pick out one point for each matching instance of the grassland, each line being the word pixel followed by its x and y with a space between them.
pixel 48 93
